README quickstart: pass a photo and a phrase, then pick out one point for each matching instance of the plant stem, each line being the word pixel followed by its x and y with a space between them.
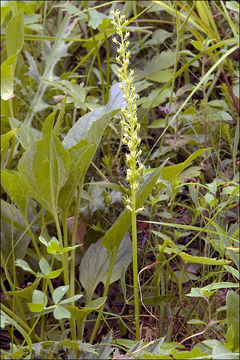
pixel 72 264
pixel 135 262
pixel 64 259
pixel 18 320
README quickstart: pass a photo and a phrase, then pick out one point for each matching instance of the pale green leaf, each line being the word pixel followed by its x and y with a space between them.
pixel 60 313
pixel 45 167
pixel 81 157
pixel 14 185
pixel 54 274
pixel 26 135
pixel 221 285
pixel 161 76
pixel 193 354
pixel 59 293
pixel 71 299
pixel 39 297
pixel 24 265
pixel 92 125
pixel 232 301
pixel 7 74
pixel 14 34
pixel 44 266
pixel 202 259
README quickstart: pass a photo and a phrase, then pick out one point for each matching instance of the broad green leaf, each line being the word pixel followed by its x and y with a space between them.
pixel 200 292
pixel 170 172
pixel 91 126
pixel 59 293
pixel 7 74
pixel 14 34
pixel 54 274
pixel 82 313
pixel 24 265
pixel 60 313
pixel 81 157
pixel 221 285
pixel 161 76
pixel 161 61
pixel 114 235
pixel 25 135
pixel 95 263
pixel 44 266
pixel 12 229
pixel 71 299
pixel 5 138
pixel 39 297
pixel 5 8
pixel 45 167
pixel 232 302
pixel 202 259
pixel 14 185
pixel 96 18
pixel 27 291
pixel 219 352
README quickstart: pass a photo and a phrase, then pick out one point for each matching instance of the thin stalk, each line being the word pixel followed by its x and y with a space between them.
pixel 64 260
pixel 21 322
pixel 72 264
pixel 111 264
pixel 33 238
pixel 135 262
pixel 108 65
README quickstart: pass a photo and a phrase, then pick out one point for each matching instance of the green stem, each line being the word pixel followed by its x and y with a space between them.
pixel 64 259
pixel 135 262
pixel 112 260
pixel 18 320
pixel 33 238
pixel 108 65
pixel 72 264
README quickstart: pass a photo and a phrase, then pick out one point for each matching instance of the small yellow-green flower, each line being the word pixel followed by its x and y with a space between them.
pixel 130 123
